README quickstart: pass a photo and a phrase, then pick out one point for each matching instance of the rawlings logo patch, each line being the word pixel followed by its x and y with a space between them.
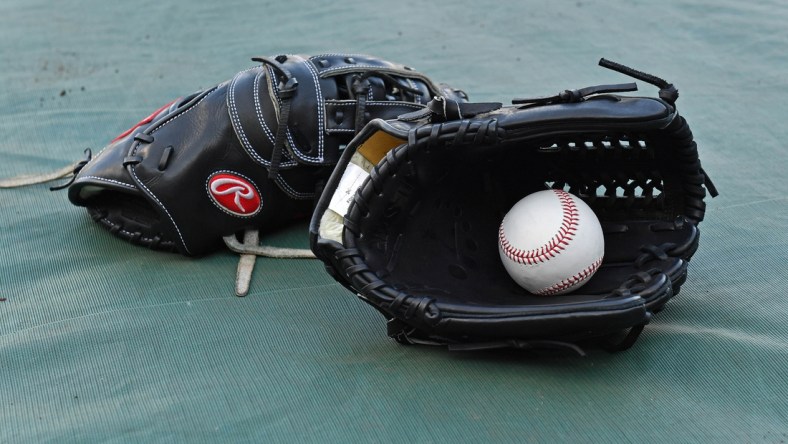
pixel 234 194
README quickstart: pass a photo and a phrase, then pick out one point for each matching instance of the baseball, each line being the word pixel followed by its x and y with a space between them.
pixel 551 242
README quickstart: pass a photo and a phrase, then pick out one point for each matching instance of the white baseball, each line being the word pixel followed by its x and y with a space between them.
pixel 551 242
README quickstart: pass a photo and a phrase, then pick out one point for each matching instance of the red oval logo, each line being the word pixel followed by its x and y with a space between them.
pixel 234 194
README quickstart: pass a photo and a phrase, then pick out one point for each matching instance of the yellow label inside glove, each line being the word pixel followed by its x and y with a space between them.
pixel 378 144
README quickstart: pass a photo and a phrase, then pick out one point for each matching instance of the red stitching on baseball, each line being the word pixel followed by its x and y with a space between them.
pixel 555 245
pixel 571 281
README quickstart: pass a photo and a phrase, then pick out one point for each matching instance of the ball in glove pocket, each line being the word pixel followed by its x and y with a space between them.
pixel 551 242
pixel 418 240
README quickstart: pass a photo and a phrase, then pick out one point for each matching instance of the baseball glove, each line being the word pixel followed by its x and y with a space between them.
pixel 245 154
pixel 409 220
pixel 243 157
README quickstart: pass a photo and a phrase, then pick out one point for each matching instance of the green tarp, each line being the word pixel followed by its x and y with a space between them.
pixel 104 341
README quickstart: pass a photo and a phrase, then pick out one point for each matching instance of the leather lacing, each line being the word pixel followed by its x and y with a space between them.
pixel 287 88
pixel 77 168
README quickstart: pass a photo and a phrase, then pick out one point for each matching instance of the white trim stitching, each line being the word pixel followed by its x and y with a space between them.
pixel 103 179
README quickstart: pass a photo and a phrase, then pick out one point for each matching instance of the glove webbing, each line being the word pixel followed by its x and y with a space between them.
pixel 361 87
